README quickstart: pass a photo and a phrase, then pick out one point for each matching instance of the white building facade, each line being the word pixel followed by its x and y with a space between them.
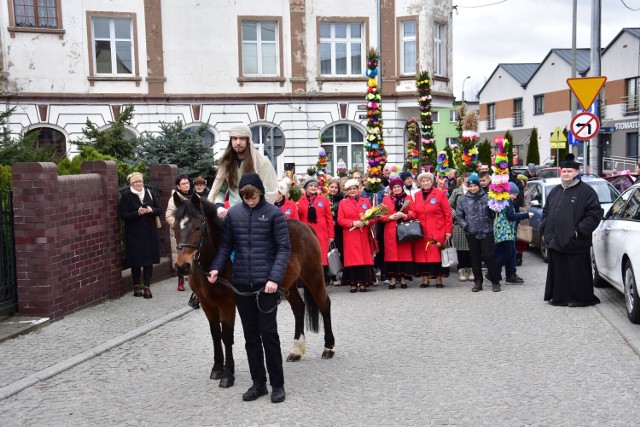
pixel 291 69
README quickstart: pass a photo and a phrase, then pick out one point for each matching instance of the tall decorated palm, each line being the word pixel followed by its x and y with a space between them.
pixel 374 144
pixel 321 172
pixel 428 151
pixel 412 161
pixel 466 153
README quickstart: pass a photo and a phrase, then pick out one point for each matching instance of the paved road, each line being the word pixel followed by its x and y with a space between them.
pixel 404 357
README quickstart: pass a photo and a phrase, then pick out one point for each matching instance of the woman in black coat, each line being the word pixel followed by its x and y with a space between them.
pixel 139 210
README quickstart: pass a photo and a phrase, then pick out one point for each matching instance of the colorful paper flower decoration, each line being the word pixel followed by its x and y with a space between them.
pixel 374 143
pixel 499 187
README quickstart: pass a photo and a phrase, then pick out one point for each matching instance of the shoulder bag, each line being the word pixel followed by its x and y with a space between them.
pixel 524 233
pixel 409 231
pixel 333 260
pixel 449 255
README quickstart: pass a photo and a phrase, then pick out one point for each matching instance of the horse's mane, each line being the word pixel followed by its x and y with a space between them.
pixel 188 210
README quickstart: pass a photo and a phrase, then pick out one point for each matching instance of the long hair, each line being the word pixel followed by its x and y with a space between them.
pixel 229 161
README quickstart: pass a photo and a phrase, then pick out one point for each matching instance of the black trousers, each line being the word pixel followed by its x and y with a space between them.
pixel 261 331
pixel 147 272
pixel 483 249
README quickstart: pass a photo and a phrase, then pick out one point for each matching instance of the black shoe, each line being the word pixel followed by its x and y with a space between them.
pixel 496 287
pixel 255 391
pixel 194 302
pixel 403 286
pixel 515 280
pixel 477 287
pixel 277 394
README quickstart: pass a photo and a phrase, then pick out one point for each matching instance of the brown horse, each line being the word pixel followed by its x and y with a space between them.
pixel 198 232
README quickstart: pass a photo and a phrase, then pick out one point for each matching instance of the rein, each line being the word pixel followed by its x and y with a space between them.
pixel 198 266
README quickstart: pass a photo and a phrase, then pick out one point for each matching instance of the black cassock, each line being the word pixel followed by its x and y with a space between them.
pixel 569 279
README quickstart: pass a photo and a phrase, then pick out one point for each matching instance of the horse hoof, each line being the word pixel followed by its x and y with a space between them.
pixel 215 375
pixel 328 354
pixel 227 382
pixel 293 357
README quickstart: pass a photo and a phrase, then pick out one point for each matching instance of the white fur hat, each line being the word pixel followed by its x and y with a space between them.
pixel 351 183
pixel 283 186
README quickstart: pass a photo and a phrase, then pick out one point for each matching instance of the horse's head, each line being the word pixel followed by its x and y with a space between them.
pixel 190 228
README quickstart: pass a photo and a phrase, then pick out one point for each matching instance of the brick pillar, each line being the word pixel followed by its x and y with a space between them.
pixel 164 177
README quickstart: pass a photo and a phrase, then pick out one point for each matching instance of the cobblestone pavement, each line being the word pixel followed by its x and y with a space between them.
pixel 404 357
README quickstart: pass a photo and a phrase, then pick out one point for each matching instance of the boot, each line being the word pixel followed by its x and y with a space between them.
pixel 496 287
pixel 137 290
pixel 477 287
pixel 463 274
pixel 147 292
pixel 469 273
pixel 518 260
pixel 181 283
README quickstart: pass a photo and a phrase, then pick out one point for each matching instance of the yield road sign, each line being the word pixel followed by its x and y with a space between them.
pixel 586 89
pixel 584 126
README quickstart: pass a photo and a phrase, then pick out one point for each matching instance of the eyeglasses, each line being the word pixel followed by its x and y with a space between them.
pixel 184 183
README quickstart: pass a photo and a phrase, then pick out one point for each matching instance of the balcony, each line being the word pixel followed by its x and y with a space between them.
pixel 518 120
pixel 630 104
pixel 491 122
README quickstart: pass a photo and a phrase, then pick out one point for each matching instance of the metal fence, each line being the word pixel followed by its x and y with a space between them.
pixel 8 282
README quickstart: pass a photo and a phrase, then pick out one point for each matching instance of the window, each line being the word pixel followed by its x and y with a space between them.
pixel 453 115
pixel 452 141
pixel 408 50
pixel 36 13
pixel 341 49
pixel 343 142
pixel 632 144
pixel 270 140
pixel 631 100
pixel 538 105
pixel 440 50
pixel 517 112
pixel 113 46
pixel 207 136
pixel 47 138
pixel 435 116
pixel 259 49
pixel 491 116
pixel 632 209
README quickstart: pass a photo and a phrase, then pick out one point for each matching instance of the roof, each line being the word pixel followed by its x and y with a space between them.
pixel 635 32
pixel 520 72
pixel 583 60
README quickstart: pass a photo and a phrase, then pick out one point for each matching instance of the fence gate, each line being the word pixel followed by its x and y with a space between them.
pixel 8 282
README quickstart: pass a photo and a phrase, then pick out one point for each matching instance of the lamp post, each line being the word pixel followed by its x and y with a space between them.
pixel 466 78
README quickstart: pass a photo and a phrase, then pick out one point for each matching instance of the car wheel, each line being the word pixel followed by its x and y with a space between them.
pixel 544 251
pixel 631 294
pixel 598 281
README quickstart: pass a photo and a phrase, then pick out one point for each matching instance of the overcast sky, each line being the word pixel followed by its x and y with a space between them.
pixel 523 31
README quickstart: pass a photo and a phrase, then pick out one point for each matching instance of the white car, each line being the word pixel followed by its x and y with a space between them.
pixel 616 249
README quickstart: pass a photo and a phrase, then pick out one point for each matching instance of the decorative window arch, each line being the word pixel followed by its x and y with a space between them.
pixel 269 138
pixel 344 141
pixel 49 135
pixel 209 134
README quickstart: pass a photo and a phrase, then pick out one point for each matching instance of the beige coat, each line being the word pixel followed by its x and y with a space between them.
pixel 169 216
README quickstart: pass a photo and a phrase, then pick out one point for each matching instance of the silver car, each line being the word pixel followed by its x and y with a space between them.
pixel 616 249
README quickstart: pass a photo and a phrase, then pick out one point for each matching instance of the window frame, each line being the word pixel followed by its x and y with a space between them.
pixel 453 116
pixel 402 72
pixel 93 75
pixel 14 28
pixel 278 77
pixel 364 42
pixel 632 100
pixel 491 116
pixel 440 50
pixel 538 105
pixel 331 147
pixel 518 112
pixel 435 116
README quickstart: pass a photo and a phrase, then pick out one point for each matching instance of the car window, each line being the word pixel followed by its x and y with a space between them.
pixel 606 193
pixel 534 192
pixel 632 209
pixel 616 209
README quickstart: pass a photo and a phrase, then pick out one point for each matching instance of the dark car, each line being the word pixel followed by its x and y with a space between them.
pixel 539 190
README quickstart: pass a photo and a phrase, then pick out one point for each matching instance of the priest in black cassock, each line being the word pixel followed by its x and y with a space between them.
pixel 571 213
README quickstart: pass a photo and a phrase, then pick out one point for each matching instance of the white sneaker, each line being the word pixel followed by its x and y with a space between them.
pixel 463 275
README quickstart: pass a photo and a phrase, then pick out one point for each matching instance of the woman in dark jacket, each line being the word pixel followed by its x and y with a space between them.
pixel 476 219
pixel 335 196
pixel 139 210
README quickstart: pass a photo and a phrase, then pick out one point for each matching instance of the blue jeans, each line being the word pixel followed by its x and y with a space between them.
pixel 506 256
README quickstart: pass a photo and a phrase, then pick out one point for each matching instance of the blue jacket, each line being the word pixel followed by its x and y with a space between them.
pixel 474 215
pixel 260 237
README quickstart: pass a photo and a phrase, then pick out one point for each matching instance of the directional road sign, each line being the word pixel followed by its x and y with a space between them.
pixel 584 126
pixel 586 89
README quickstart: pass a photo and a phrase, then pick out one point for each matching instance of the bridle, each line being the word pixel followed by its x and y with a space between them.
pixel 198 266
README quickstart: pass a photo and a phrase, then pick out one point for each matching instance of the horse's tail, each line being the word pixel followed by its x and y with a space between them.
pixel 313 316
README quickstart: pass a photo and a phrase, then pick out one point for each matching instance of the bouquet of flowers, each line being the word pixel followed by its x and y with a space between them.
pixel 373 213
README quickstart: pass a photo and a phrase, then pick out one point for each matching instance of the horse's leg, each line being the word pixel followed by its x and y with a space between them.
pixel 315 286
pixel 218 355
pixel 228 315
pixel 299 346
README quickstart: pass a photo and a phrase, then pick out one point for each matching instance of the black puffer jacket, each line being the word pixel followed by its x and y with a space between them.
pixel 567 212
pixel 261 239
pixel 473 214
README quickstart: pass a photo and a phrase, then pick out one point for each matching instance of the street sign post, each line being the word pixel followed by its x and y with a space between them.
pixel 584 126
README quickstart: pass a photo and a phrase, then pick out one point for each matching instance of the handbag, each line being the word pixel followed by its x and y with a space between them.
pixel 524 233
pixel 409 231
pixel 449 255
pixel 158 222
pixel 334 265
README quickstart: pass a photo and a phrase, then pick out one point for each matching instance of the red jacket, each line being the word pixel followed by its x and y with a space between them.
pixel 324 225
pixel 357 250
pixel 434 215
pixel 394 251
pixel 289 209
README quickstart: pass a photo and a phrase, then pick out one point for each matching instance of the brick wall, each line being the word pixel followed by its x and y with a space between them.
pixel 164 177
pixel 67 237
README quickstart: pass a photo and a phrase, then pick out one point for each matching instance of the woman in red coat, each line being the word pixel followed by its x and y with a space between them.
pixel 434 213
pixel 398 257
pixel 315 210
pixel 287 206
pixel 358 257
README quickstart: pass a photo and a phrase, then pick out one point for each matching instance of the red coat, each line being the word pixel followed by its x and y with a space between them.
pixel 289 209
pixel 394 251
pixel 324 225
pixel 357 250
pixel 434 215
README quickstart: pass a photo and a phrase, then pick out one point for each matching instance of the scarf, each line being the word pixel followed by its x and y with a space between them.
pixel 569 183
pixel 398 200
pixel 280 203
pixel 425 194
pixel 140 194
pixel 313 217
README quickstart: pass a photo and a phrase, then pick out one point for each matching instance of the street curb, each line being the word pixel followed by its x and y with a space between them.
pixel 18 386
pixel 627 330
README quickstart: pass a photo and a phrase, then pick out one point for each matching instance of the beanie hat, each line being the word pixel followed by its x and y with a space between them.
pixel 309 181
pixel 427 175
pixel 253 179
pixel 199 181
pixel 404 175
pixel 523 178
pixel 396 181
pixel 513 188
pixel 283 186
pixel 473 179
pixel 570 162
